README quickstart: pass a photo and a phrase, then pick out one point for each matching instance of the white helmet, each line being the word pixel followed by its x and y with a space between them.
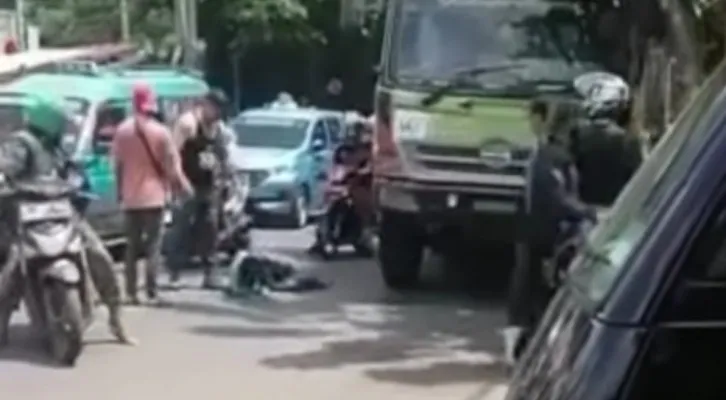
pixel 603 93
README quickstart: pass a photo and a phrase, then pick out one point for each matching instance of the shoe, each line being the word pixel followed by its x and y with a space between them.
pixel 174 280
pixel 316 248
pixel 512 336
pixel 156 301
pixel 133 301
pixel 211 282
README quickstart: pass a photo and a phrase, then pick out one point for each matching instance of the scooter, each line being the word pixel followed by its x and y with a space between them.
pixel 48 250
pixel 340 224
pixel 235 223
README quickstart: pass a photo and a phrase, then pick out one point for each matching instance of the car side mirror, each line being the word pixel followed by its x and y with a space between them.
pixel 317 145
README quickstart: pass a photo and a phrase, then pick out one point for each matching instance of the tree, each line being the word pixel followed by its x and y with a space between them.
pixel 242 23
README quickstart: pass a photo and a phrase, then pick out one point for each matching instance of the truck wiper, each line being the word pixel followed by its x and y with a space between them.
pixel 459 77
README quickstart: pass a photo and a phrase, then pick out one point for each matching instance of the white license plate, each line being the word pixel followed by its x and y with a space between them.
pixel 45 210
pixel 499 207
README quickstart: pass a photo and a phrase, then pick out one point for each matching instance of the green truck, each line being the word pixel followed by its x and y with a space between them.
pixel 453 142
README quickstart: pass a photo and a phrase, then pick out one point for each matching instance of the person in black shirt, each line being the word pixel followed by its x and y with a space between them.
pixel 204 160
pixel 551 200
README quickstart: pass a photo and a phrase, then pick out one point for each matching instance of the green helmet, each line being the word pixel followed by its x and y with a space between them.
pixel 45 116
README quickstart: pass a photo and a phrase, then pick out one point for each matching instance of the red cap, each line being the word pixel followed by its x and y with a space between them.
pixel 144 99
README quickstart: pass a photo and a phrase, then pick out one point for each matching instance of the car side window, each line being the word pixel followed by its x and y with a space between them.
pixel 109 116
pixel 335 128
pixel 320 133
pixel 685 348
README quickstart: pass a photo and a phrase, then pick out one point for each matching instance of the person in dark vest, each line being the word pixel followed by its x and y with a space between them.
pixel 551 200
pixel 204 162
pixel 606 152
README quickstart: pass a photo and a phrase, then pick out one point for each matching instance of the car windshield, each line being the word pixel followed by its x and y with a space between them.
pixel 78 113
pixel 615 239
pixel 437 38
pixel 270 132
pixel 77 110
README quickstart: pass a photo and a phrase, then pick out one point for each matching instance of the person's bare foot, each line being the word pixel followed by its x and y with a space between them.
pixel 118 331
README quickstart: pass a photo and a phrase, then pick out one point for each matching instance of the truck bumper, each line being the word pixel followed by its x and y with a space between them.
pixel 486 211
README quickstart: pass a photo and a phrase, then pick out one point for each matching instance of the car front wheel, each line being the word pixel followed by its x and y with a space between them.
pixel 298 216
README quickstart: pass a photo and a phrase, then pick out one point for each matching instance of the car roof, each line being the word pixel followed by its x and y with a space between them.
pixel 298 113
pixel 166 82
pixel 71 85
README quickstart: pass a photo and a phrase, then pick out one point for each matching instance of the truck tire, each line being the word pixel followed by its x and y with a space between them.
pixel 400 251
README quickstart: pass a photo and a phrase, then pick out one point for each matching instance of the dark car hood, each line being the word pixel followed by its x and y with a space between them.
pixel 573 356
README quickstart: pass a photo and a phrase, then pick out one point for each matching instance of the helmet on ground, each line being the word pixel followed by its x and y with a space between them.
pixel 604 95
pixel 45 116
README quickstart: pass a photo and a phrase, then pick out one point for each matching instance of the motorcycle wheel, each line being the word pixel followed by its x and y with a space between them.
pixel 64 312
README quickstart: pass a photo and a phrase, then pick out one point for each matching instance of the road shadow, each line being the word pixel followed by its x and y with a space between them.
pixel 240 332
pixel 25 347
pixel 442 372
pixel 409 338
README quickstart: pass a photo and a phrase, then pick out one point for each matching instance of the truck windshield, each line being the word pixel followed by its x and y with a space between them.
pixel 433 39
pixel 610 246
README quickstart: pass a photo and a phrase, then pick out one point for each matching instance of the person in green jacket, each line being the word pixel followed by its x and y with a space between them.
pixel 34 153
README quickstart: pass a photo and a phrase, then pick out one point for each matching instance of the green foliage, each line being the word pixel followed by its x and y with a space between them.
pixel 245 23
pixel 240 23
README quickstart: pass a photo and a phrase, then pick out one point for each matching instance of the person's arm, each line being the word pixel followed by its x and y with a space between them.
pixel 568 207
pixel 118 167
pixel 172 165
pixel 223 154
pixel 183 130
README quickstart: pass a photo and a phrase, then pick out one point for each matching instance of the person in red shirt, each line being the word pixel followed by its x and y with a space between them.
pixel 147 169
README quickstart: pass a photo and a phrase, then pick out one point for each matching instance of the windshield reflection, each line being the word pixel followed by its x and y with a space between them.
pixel 437 38
pixel 276 133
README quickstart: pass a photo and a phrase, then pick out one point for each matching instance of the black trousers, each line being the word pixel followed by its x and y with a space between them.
pixel 194 231
pixel 529 294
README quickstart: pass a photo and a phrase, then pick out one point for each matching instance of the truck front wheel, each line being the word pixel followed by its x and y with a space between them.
pixel 400 250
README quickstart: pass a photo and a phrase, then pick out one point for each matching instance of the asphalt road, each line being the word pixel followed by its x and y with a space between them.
pixel 355 340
